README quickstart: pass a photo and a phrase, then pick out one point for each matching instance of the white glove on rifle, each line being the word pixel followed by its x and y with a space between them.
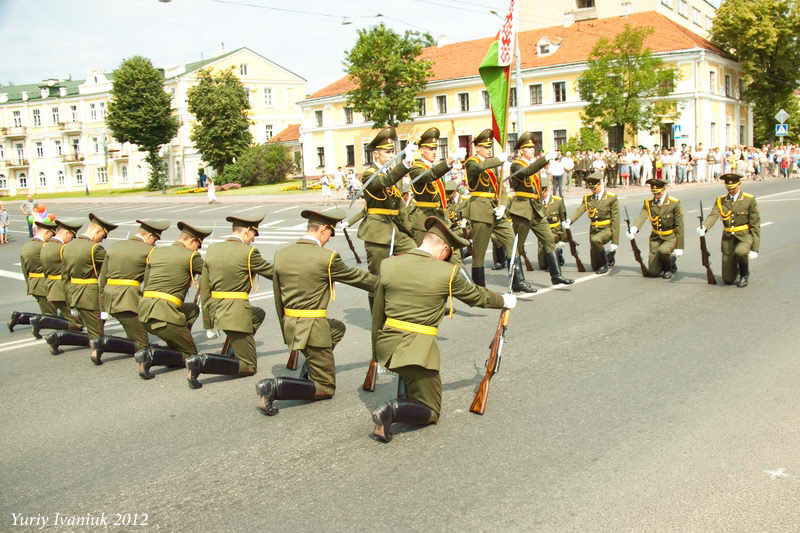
pixel 613 247
pixel 700 231
pixel 104 316
pixel 632 233
pixel 344 224
pixel 212 333
pixel 561 244
pixel 566 224
pixel 502 156
pixel 499 211
pixel 677 252
pixel 463 223
pixel 74 312
pixel 409 157
pixel 506 168
pixel 459 153
pixel 752 255
pixel 509 301
pixel 551 155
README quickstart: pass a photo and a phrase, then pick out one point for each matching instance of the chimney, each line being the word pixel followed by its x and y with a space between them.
pixel 626 8
pixel 24 96
pixel 62 91
pixel 45 92
pixel 3 98
pixel 569 19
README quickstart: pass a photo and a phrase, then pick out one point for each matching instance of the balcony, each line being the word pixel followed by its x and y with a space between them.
pixel 68 127
pixel 72 158
pixel 116 154
pixel 17 163
pixel 15 132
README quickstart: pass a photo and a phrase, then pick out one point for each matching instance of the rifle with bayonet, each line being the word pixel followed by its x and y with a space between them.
pixel 528 265
pixel 637 254
pixel 350 244
pixel 386 165
pixel 573 249
pixel 705 255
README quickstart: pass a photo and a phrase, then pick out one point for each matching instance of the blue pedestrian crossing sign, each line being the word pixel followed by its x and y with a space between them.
pixel 781 130
pixel 676 131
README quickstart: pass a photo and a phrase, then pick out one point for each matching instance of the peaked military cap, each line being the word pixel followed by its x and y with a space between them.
pixel 72 225
pixel 384 140
pixel 46 223
pixel 656 185
pixel 525 141
pixel 251 221
pixel 450 185
pixel 484 138
pixel 196 232
pixel 430 138
pixel 328 218
pixel 439 228
pixel 106 225
pixel 731 180
pixel 594 178
pixel 154 226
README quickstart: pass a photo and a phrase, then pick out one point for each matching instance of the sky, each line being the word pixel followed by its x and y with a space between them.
pixel 56 38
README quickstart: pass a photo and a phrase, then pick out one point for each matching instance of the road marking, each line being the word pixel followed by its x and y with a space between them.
pixel 35 342
pixel 262 296
pixel 781 200
pixel 12 275
pixel 560 286
pixel 764 224
pixel 777 194
pixel 250 209
pixel 129 208
pixel 218 208
pixel 188 208
pixel 329 209
pixel 777 473
pixel 302 225
pixel 285 209
pixel 268 224
pixel 152 209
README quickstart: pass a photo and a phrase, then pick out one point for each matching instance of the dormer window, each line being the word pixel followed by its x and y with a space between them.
pixel 546 47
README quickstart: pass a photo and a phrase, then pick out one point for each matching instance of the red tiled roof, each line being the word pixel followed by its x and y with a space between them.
pixel 461 60
pixel 288 134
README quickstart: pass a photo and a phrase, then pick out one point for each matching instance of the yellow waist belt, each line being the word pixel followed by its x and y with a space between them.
pixel 54 276
pixel 163 296
pixel 429 204
pixel 410 326
pixel 526 194
pixel 224 295
pixel 126 282
pixel 305 313
pixel 734 229
pixel 601 222
pixel 482 194
pixel 664 233
pixel 35 274
pixel 381 211
pixel 556 224
pixel 83 281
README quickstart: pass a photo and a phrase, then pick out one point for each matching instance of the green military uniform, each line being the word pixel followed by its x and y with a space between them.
pixel 741 232
pixel 554 213
pixel 305 274
pixel 603 212
pixel 229 274
pixel 52 266
pixel 485 192
pixel 410 301
pixel 31 265
pixel 583 168
pixel 666 218
pixel 429 192
pixel 612 162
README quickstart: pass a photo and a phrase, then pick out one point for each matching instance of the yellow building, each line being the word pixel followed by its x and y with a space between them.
pixel 53 135
pixel 553 58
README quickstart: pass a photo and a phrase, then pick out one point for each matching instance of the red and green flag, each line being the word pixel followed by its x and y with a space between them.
pixel 495 72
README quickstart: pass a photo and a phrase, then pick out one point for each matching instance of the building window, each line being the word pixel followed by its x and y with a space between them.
pixel 512 97
pixel 709 23
pixel 39 149
pixel 486 103
pixel 20 151
pixel 243 69
pixel 55 116
pixel 268 131
pixel 683 8
pixel 351 155
pixel 96 145
pixel 741 88
pixel 177 171
pixel 712 82
pixel 463 101
pixel 57 145
pixel 696 16
pixel 442 147
pixel 728 134
pixel 124 173
pixel 583 4
pixel 76 146
pixel 92 112
pixel 441 104
pixel 318 118
pixel 267 96
pixel 73 112
pixel 667 3
pixel 79 176
pixel 102 175
pixel 2 152
pixel 42 180
pixel 741 135
pixel 559 138
pixel 560 91
pixel 17 119
pixel 536 94
pixel 421 107
pixel 3 182
pixel 713 134
pixel 320 157
pixel 37 118
pixel 102 110
pixel 22 179
pixel 367 154
pixel 511 140
pixel 348 115
pixel 61 177
pixel 728 85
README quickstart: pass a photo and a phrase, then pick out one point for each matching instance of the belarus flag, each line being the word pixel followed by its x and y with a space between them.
pixel 495 70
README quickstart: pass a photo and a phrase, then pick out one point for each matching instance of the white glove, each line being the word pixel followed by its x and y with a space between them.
pixel 74 312
pixel 509 301
pixel 752 255
pixel 550 156
pixel 459 153
pixel 499 211
pixel 344 224
pixel 632 233
pixel 677 252
pixel 700 231
pixel 561 244
pixel 566 224
pixel 212 333
pixel 104 315
pixel 502 156
pixel 506 168
pixel 409 157
pixel 613 247
pixel 463 223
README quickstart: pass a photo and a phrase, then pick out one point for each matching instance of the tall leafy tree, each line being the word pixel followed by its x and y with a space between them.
pixel 220 103
pixel 140 112
pixel 625 85
pixel 388 73
pixel 763 35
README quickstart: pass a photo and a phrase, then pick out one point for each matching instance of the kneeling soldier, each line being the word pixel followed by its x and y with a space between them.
pixel 666 240
pixel 410 297
pixel 120 279
pixel 554 213
pixel 602 209
pixel 31 264
pixel 170 272
pixel 304 276
pixel 228 277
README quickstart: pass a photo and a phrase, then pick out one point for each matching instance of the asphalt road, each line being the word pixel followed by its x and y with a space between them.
pixel 623 404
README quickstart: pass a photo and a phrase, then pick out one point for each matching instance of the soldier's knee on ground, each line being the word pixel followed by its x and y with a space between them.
pixel 338 329
pixel 258 317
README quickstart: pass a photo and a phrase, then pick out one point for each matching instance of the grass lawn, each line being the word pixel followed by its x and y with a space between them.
pixel 74 194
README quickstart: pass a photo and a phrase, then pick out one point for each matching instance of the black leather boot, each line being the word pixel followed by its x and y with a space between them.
pixel 156 356
pixel 555 270
pixel 603 268
pixel 272 389
pixel 478 276
pixel 518 284
pixel 499 254
pixel 40 322
pixel 107 343
pixel 402 389
pixel 610 258
pixel 65 337
pixel 209 364
pixel 744 273
pixel 405 411
pixel 673 263
pixel 304 370
pixel 560 254
pixel 19 317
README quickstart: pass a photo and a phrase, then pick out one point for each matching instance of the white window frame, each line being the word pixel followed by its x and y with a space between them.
pixel 349 115
pixel 709 23
pixel 268 131
pixel 319 118
pixel 541 93
pixel 20 149
pixel 3 181
pixel 17 119
pixel 123 172
pixel 422 105
pixel 96 144
pixel 57 146
pixel 243 69
pixel 42 179
pixel 2 152
pixel 37 117
pixel 487 104
pixel 73 112
pixel 728 86
pixel 463 98
pixel 102 110
pixel 320 157
pixel 39 148
pixel 267 96
pixel 102 175
pixel 713 82
pixel 55 113
pixel 697 17
pixel 667 3
pixel 22 180
pixel 439 98
pixel 92 111
pixel 61 179
pixel 553 88
pixel 683 8
pixel 78 176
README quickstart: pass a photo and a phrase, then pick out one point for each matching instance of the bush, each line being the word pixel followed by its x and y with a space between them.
pixel 259 165
pixel 587 139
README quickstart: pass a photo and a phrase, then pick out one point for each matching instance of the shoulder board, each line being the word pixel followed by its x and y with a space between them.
pixel 419 164
pixel 588 196
pixel 473 158
pixel 723 196
pixel 521 162
pixel 369 170
pixel 557 198
pixel 672 199
pixel 746 195
pixel 611 195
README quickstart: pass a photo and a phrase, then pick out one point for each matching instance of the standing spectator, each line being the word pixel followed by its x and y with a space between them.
pixel 599 162
pixel 556 170
pixel 636 165
pixel 646 159
pixel 569 166
pixel 683 163
pixel 625 168
pixel 201 177
pixel 762 164
pixel 3 224
pixel 27 208
pixel 212 192
pixel 325 185
pixel 338 181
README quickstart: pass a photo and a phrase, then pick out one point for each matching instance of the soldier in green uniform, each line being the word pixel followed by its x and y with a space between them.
pixel 554 214
pixel 528 213
pixel 410 300
pixel 120 281
pixel 602 208
pixel 484 208
pixel 32 272
pixel 56 291
pixel 305 274
pixel 741 231
pixel 229 274
pixel 82 260
pixel 666 239
pixel 612 162
pixel 169 273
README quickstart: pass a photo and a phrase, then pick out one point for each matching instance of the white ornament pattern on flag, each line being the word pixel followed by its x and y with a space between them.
pixel 507 34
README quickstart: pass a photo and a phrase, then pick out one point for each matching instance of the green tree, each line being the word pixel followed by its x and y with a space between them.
pixel 762 35
pixel 388 73
pixel 625 84
pixel 588 138
pixel 140 112
pixel 261 164
pixel 220 103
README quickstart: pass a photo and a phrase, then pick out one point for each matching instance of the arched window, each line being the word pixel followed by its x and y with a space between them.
pixel 22 179
pixel 42 180
pixel 79 176
pixel 61 177
pixel 124 172
pixel 3 182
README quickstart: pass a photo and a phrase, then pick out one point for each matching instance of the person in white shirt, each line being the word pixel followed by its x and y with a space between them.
pixel 325 184
pixel 556 171
pixel 569 166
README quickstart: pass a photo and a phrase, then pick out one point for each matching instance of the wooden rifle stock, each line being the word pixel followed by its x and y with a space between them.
pixel 372 375
pixel 573 249
pixel 226 345
pixel 705 255
pixel 492 364
pixel 528 265
pixel 637 254
pixel 350 244
pixel 291 363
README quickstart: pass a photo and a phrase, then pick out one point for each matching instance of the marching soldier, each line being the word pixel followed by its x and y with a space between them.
pixel 409 305
pixel 741 231
pixel 666 239
pixel 528 213
pixel 305 273
pixel 31 264
pixel 602 208
pixel 83 259
pixel 56 291
pixel 120 281
pixel 229 274
pixel 554 213
pixel 169 273
pixel 483 210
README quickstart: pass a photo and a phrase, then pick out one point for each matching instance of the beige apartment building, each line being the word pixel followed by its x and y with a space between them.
pixel 53 135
